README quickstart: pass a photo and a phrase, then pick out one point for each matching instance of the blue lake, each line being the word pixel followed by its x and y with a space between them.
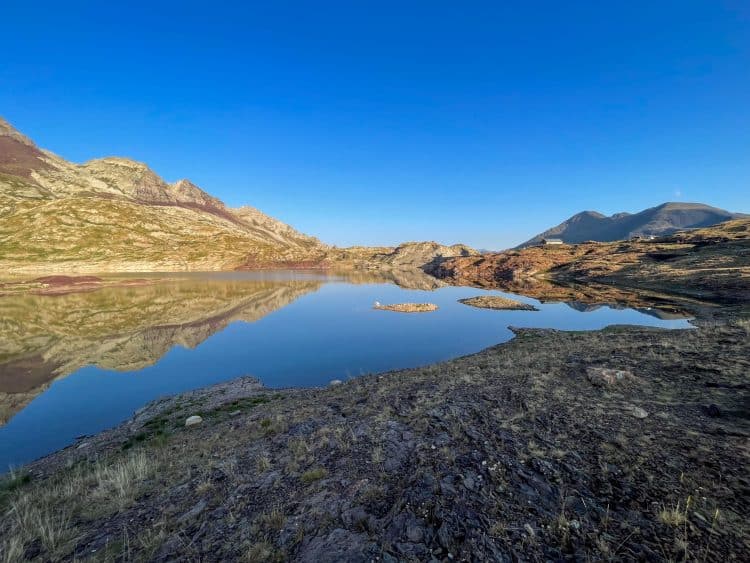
pixel 76 364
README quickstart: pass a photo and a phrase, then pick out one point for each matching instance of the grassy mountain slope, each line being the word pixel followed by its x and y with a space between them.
pixel 115 214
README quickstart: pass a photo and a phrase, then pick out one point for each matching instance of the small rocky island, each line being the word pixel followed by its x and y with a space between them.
pixel 407 307
pixel 497 302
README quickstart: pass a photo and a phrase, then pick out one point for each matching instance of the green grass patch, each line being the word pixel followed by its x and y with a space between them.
pixel 157 430
pixel 312 475
pixel 242 404
pixel 11 483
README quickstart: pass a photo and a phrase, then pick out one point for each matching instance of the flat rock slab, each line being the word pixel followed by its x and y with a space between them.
pixel 497 303
pixel 407 307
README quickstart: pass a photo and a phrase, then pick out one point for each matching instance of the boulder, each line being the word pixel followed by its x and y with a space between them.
pixel 601 377
pixel 193 420
pixel 637 412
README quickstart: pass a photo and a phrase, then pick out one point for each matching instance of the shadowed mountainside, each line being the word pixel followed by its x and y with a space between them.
pixel 662 220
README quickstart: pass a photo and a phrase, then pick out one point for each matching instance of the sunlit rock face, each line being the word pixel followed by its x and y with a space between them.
pixel 116 214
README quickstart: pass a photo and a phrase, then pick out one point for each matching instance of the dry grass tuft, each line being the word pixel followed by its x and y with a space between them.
pixel 44 514
pixel 675 516
pixel 262 552
pixel 262 463
pixel 121 482
pixel 312 475
pixel 298 447
pixel 271 521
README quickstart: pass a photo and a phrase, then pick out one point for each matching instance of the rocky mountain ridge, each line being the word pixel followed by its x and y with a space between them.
pixel 712 263
pixel 661 220
pixel 116 214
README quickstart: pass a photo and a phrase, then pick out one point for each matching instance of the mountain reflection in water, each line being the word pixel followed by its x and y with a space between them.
pixel 77 363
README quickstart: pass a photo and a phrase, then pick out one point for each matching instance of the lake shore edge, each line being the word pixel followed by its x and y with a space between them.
pixel 532 448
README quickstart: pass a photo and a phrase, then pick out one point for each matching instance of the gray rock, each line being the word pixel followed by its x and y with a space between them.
pixel 194 512
pixel 414 533
pixel 602 377
pixel 637 412
pixel 712 410
pixel 469 481
pixel 193 420
pixel 444 536
pixel 442 439
pixel 339 545
pixel 355 516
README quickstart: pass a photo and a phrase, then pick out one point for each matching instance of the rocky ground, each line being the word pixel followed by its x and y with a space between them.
pixel 705 264
pixel 627 443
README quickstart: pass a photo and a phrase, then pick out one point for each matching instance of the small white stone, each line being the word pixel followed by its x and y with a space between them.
pixel 193 420
pixel 335 382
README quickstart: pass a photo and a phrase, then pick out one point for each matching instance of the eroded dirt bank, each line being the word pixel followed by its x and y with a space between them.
pixel 627 443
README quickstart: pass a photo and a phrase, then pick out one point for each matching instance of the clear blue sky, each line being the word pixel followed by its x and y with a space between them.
pixel 375 122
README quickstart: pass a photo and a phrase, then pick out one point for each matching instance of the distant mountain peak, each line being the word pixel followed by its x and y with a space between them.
pixel 7 130
pixel 661 220
pixel 183 184
pixel 118 161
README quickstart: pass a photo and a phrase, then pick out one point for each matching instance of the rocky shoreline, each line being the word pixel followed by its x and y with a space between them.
pixel 711 264
pixel 626 443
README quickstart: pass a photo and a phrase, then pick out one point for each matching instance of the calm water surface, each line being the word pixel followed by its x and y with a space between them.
pixel 76 364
